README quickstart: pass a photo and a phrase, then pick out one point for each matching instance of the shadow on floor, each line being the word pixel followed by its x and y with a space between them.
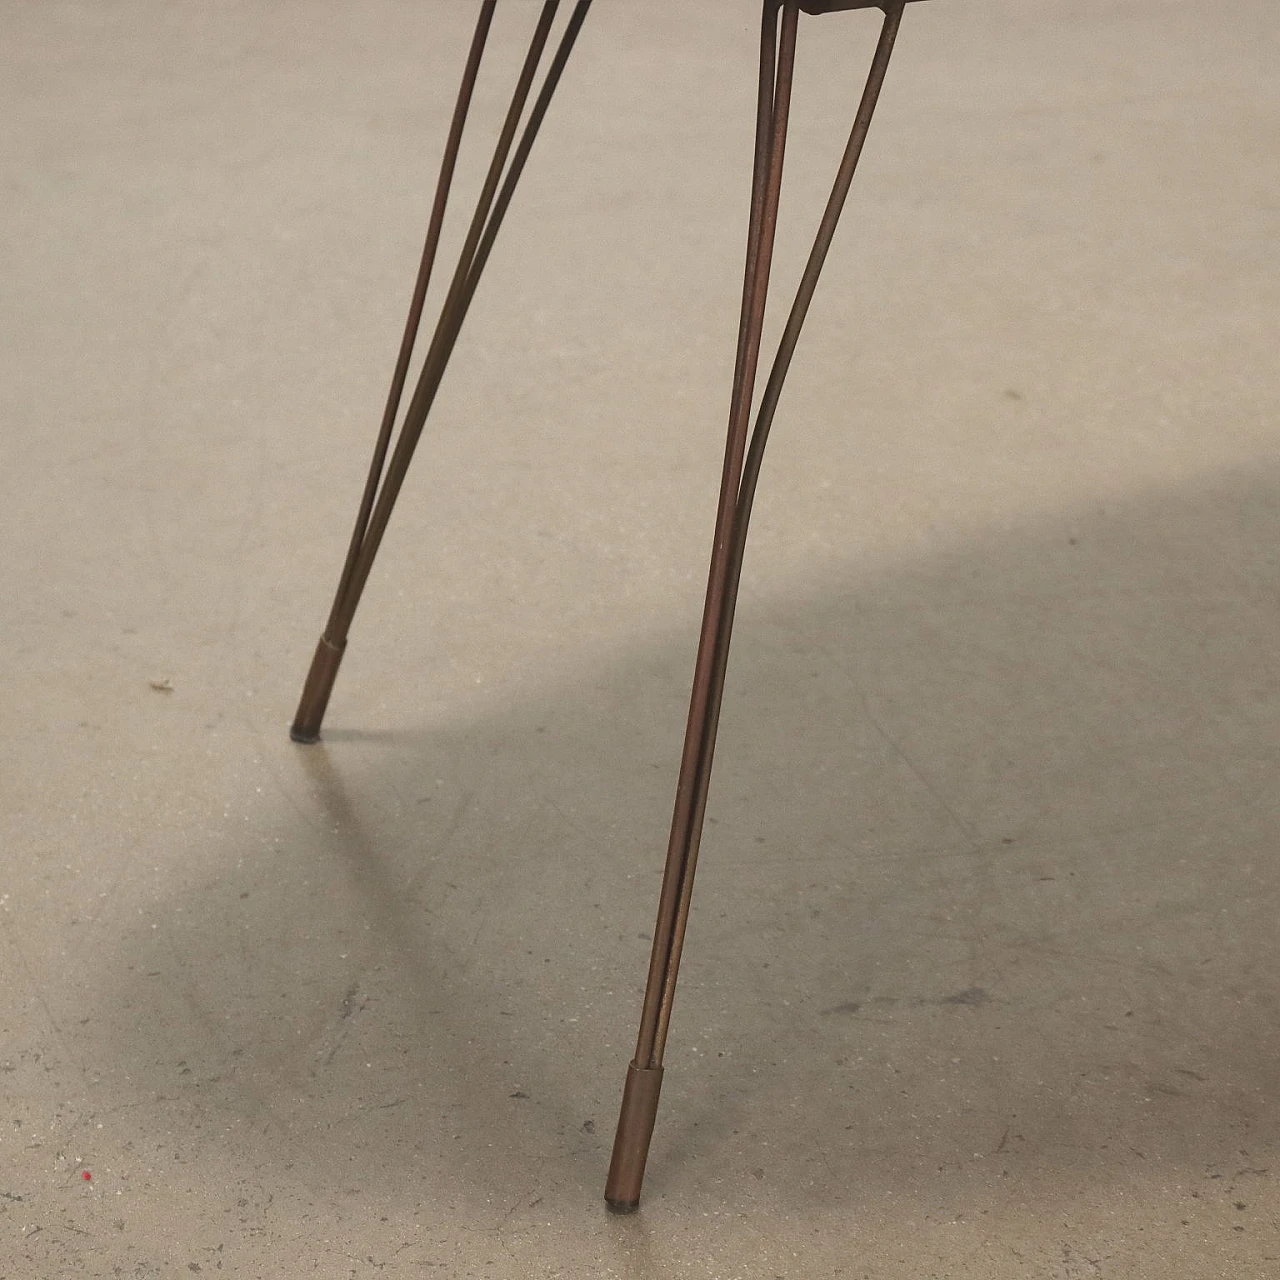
pixel 988 892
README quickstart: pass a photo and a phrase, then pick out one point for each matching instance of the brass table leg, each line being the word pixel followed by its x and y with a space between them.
pixel 386 478
pixel 737 490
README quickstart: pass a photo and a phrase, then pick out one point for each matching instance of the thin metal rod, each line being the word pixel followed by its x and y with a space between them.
pixel 644 1075
pixel 782 362
pixel 691 837
pixel 447 327
pixel 741 474
pixel 525 145
pixel 386 479
pixel 813 269
pixel 434 226
pixel 682 850
pixel 768 75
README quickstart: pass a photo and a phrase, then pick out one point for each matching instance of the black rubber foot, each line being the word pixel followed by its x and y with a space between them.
pixel 621 1207
pixel 306 739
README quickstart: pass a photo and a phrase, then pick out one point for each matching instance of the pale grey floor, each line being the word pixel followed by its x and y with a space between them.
pixel 983 972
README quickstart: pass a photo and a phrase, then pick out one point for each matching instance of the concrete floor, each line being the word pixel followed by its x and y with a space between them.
pixel 982 978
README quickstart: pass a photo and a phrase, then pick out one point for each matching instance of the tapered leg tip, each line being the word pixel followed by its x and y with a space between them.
pixel 315 693
pixel 631 1142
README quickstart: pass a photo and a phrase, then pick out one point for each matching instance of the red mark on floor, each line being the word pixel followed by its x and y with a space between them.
pixel 87 1176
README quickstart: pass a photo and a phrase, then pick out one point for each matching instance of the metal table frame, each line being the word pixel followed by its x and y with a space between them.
pixel 743 454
